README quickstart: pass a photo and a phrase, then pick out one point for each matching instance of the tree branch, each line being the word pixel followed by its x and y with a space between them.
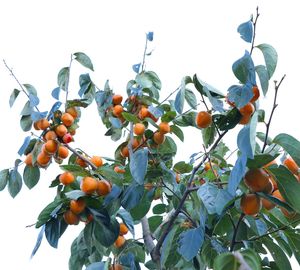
pixel 254 30
pixel 233 241
pixel 272 112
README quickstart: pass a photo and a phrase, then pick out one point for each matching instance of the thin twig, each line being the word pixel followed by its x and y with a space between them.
pixel 178 88
pixel 254 30
pixel 18 82
pixel 144 55
pixel 233 241
pixel 268 124
pixel 68 80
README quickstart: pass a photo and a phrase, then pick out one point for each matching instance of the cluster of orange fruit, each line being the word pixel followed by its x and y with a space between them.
pixel 258 180
pixel 120 241
pixel 247 110
pixel 54 135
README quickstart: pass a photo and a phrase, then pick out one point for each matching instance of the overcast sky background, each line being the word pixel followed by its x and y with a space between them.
pixel 38 37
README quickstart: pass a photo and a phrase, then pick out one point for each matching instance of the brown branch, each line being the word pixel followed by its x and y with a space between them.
pixel 233 241
pixel 254 30
pixel 272 112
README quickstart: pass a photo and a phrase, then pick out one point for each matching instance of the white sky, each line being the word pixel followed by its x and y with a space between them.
pixel 38 37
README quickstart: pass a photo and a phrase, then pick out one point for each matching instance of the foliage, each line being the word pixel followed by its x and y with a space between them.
pixel 199 221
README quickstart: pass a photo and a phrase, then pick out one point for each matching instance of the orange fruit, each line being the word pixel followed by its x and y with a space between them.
pixel 73 112
pixel 67 119
pixel 116 266
pixel 62 152
pixel 273 162
pixel 123 229
pixel 80 162
pixel 61 130
pixel 278 195
pixel 245 119
pixel 97 161
pixel 164 128
pixel 89 185
pixel 103 188
pixel 256 179
pixel 143 113
pixel 291 165
pixel 71 218
pixel 66 178
pixel 203 119
pixel 36 125
pixel 117 169
pixel 256 93
pixel 120 241
pixel 117 99
pixel 148 186
pixel 267 204
pixel 177 178
pixel 248 109
pixel 43 124
pixel 50 147
pixel 125 152
pixel 43 159
pixel 139 129
pixel 117 110
pixel 28 160
pixel 158 137
pixel 77 206
pixel 250 204
pixel 50 135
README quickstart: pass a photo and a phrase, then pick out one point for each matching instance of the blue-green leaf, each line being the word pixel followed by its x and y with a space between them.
pixel 190 243
pixel 55 93
pixel 263 76
pixel 179 100
pixel 30 89
pixel 53 230
pixel 246 31
pixel 63 78
pixel 132 196
pixel 244 69
pixel 14 183
pixel 24 145
pixel 138 165
pixel 96 266
pixel 127 219
pixel 31 176
pixel 270 56
pixel 190 98
pixel 15 93
pixel 4 178
pixel 38 241
pixel 84 60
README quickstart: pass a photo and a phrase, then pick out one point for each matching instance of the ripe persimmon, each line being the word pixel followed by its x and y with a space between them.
pixel 269 188
pixel 117 99
pixel 256 179
pixel 116 266
pixel 77 206
pixel 245 119
pixel 43 124
pixel 67 178
pixel 79 161
pixel 279 196
pixel 139 129
pixel 89 185
pixel 203 119
pixel 103 188
pixel 268 205
pixel 177 178
pixel 158 137
pixel 62 152
pixel 123 229
pixel 71 218
pixel 50 147
pixel 43 159
pixel 97 161
pixel 117 169
pixel 125 152
pixel 248 109
pixel 256 93
pixel 117 110
pixel 120 241
pixel 50 135
pixel 276 193
pixel 250 204
pixel 291 165
pixel 73 111
pixel 143 113
pixel 164 127
pixel 28 159
pixel 67 119
pixel 61 130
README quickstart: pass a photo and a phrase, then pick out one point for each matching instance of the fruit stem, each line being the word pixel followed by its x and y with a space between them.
pixel 268 124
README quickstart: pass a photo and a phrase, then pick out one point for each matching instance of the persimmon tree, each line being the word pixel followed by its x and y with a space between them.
pixel 222 209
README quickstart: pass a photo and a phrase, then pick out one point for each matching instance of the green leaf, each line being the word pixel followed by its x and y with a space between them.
pixel 84 60
pixel 14 183
pixel 167 246
pixel 179 100
pixel 208 135
pixel 27 109
pixel 270 56
pixel 13 97
pixel 63 78
pixel 294 242
pixel 159 209
pixel 77 103
pixel 226 261
pixel 106 234
pixel 168 116
pixel 75 194
pixel 30 89
pixel 138 165
pixel 178 132
pixel 154 222
pixel 190 98
pixel 109 174
pixel 190 242
pixel 132 196
pixel 31 176
pixel 263 76
pixel 227 121
pixel 185 120
pixel 182 167
pixel 168 147
pixel 200 84
pixel 141 209
pixel 287 185
pixel 260 160
pixel 130 117
pixel 26 122
pixel 45 215
pixel 4 178
pixel 278 255
pixel 54 229
pixel 252 258
pixel 289 144
pixel 76 169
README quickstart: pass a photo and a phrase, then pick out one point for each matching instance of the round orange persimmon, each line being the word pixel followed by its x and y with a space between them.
pixel 71 218
pixel 103 188
pixel 139 129
pixel 89 185
pixel 250 204
pixel 67 119
pixel 256 179
pixel 67 178
pixel 61 130
pixel 117 110
pixel 120 241
pixel 256 93
pixel 97 161
pixel 164 127
pixel 158 137
pixel 77 206
pixel 291 165
pixel 203 119
pixel 117 99
pixel 123 229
